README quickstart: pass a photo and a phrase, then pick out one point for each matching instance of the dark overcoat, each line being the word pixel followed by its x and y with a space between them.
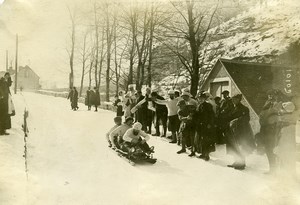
pixel 96 98
pixel 240 129
pixel 4 92
pixel 75 99
pixel 205 119
pixel 88 100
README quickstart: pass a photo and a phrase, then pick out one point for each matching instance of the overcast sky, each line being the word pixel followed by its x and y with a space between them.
pixel 43 27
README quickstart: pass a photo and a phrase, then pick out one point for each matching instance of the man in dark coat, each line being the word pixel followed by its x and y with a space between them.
pixel 4 92
pixel 186 130
pixel 96 101
pixel 240 141
pixel 161 113
pixel 225 109
pixel 70 96
pixel 141 115
pixel 270 127
pixel 149 113
pixel 205 118
pixel 119 105
pixel 88 101
pixel 74 99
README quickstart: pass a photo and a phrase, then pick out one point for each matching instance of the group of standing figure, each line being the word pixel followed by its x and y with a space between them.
pixel 197 124
pixel 6 104
pixel 202 122
pixel 92 98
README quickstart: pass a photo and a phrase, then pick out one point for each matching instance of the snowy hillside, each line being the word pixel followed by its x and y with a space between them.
pixel 258 35
pixel 265 30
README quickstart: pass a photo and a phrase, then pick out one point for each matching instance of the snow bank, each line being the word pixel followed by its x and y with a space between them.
pixel 13 185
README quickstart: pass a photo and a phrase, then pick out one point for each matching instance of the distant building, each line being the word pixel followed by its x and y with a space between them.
pixel 253 80
pixel 28 79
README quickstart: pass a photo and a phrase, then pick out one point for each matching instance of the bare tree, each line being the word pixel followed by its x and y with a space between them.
pixel 132 19
pixel 84 56
pixel 72 15
pixel 109 39
pixel 191 27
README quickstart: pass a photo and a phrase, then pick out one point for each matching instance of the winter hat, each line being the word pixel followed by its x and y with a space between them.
pixel 171 92
pixel 289 107
pixel 203 95
pixel 118 119
pixel 181 103
pixel 128 118
pixel 225 92
pixel 238 96
pixel 186 93
pixel 137 126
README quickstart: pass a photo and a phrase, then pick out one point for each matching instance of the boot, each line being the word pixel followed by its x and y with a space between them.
pixel 192 154
pixel 181 151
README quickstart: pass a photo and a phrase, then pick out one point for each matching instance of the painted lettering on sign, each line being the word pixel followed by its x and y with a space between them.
pixel 288 74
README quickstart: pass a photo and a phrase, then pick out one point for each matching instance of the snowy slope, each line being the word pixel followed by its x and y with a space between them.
pixel 263 30
pixel 12 164
pixel 258 35
pixel 70 164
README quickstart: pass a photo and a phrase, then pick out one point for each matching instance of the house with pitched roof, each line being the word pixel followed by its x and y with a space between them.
pixel 28 79
pixel 253 80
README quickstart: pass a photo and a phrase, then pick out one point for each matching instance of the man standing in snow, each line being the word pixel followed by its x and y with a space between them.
pixel 119 105
pixel 205 127
pixel 136 137
pixel 70 96
pixel 141 113
pixel 161 114
pixel 4 95
pixel 116 135
pixel 226 107
pixel 172 107
pixel 96 98
pixel 186 130
pixel 191 106
pixel 88 101
pixel 75 99
pixel 240 141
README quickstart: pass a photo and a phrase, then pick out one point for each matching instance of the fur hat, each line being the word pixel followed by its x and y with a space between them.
pixel 289 107
pixel 128 118
pixel 171 92
pixel 137 126
pixel 225 92
pixel 186 93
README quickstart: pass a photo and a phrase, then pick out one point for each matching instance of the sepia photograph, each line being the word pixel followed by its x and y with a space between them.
pixel 149 102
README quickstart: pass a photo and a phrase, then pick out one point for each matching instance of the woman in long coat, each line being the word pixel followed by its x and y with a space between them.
pixel 5 121
pixel 240 141
pixel 205 117
pixel 88 100
pixel 96 101
pixel 75 99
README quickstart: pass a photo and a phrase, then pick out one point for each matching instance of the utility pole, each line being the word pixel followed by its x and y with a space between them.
pixel 16 65
pixel 6 60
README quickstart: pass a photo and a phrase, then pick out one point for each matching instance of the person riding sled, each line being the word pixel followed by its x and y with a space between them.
pixel 136 137
pixel 115 136
pixel 118 122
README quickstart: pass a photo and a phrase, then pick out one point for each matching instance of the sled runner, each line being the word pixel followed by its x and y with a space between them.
pixel 135 155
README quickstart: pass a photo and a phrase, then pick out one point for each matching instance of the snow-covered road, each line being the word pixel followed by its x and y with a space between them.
pixel 69 163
